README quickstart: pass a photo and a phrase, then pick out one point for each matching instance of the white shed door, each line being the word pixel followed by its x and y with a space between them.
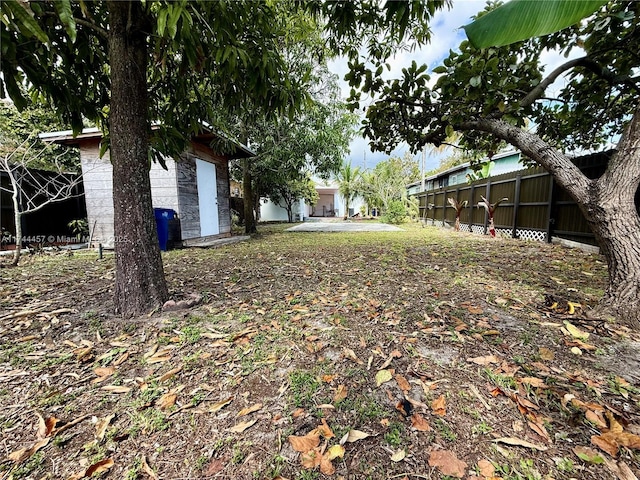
pixel 207 198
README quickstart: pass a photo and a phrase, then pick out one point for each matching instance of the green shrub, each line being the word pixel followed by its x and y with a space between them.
pixel 396 213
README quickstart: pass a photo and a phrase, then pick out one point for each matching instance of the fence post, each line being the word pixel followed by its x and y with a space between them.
pixel 433 209
pixel 473 187
pixel 487 195
pixel 444 207
pixel 551 199
pixel 516 206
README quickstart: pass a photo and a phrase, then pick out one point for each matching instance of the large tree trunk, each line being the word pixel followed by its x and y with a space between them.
pixel 613 217
pixel 607 203
pixel 247 193
pixel 140 283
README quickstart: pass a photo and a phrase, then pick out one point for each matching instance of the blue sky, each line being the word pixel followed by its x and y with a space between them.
pixel 446 34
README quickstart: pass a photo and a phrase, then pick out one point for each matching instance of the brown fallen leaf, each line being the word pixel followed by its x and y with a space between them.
pixel 311 458
pixel 246 411
pixel 45 426
pixel 326 466
pixel 439 406
pixel 323 430
pixel 402 383
pixel 419 423
pixel 167 400
pixel 166 376
pixel 447 462
pixel 242 426
pixel 99 467
pixel 104 371
pixel 305 443
pixel 23 454
pixel 533 381
pixel 350 354
pixel 341 394
pixel 518 442
pixel 596 418
pixel 353 436
pixel 116 388
pixel 486 468
pixel 620 469
pixel 219 405
pixel 102 424
pixel 485 360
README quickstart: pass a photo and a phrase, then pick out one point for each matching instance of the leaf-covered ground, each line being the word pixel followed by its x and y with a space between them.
pixel 416 354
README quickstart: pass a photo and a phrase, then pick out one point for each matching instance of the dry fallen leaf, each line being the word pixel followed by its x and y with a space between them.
pixel 246 411
pixel 486 468
pixel 102 425
pixel 383 376
pixel 166 401
pixel 533 381
pixel 219 405
pixel 311 458
pixel 402 383
pixel 419 423
pixel 520 443
pixel 242 426
pixel 45 427
pixel 439 406
pixel 353 436
pixel 323 430
pixel 486 360
pixel 398 456
pixel 23 454
pixel 116 388
pixel 447 462
pixel 341 394
pixel 305 443
pixel 99 467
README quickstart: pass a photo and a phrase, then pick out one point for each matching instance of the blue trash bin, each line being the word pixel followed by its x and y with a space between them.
pixel 163 215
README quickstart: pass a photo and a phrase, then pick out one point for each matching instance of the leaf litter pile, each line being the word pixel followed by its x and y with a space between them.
pixel 415 354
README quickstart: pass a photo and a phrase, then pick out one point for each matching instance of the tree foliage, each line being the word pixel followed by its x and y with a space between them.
pixel 349 184
pixel 489 94
pixel 388 181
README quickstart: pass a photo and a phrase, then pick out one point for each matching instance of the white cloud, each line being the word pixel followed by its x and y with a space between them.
pixel 446 34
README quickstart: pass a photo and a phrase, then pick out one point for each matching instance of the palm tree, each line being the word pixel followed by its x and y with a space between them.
pixel 348 178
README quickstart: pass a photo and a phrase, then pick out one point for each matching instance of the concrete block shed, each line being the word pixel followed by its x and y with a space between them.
pixel 196 186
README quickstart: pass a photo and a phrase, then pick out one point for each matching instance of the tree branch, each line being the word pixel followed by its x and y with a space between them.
pixel 555 162
pixel 585 62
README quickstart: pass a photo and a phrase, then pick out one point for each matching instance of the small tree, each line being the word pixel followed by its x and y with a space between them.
pixel 287 193
pixel 32 190
pixel 458 206
pixel 491 210
pixel 348 178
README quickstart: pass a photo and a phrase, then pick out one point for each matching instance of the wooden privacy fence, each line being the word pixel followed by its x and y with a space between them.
pixel 537 209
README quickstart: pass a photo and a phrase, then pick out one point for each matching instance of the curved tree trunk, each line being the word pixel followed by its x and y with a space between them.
pixel 140 283
pixel 607 203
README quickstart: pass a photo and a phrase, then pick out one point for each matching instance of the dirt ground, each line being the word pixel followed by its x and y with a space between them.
pixel 373 355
